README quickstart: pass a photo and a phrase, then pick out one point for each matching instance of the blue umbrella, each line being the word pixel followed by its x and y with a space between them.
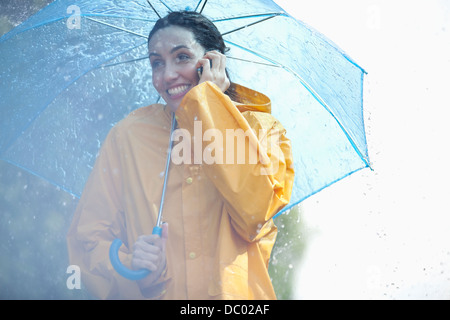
pixel 74 69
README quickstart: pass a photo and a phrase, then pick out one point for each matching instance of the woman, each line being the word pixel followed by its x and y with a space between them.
pixel 220 212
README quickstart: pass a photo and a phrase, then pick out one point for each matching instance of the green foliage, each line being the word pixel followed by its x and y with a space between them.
pixel 287 253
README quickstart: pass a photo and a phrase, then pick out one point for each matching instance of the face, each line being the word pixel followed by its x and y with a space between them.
pixel 174 54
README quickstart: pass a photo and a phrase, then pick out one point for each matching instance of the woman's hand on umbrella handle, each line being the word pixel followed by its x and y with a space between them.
pixel 149 252
pixel 213 66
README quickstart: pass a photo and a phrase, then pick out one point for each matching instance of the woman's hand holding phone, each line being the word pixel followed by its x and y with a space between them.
pixel 212 68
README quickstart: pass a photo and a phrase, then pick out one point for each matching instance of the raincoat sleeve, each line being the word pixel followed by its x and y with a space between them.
pixel 257 188
pixel 98 220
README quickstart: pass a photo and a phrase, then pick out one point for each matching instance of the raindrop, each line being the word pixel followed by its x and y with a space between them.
pixel 258 228
pixel 161 174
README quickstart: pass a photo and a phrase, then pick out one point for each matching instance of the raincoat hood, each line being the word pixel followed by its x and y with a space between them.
pixel 247 99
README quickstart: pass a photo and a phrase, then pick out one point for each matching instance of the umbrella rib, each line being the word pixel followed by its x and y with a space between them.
pixel 325 105
pixel 267 14
pixel 313 192
pixel 260 63
pixel 116 27
pixel 203 7
pixel 166 5
pixel 251 24
pixel 11 33
pixel 148 1
pixel 56 184
pixel 255 53
pixel 121 62
pixel 314 94
pixel 49 101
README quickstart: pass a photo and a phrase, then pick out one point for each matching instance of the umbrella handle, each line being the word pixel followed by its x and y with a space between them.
pixel 115 245
pixel 120 268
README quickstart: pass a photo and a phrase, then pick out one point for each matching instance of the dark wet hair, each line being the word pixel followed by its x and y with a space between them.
pixel 204 30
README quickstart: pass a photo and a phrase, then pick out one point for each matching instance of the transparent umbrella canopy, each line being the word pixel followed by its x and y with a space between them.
pixel 70 72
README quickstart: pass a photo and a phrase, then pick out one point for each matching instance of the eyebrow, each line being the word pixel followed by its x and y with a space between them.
pixel 182 46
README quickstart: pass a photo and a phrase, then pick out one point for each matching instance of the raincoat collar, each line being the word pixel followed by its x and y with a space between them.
pixel 247 99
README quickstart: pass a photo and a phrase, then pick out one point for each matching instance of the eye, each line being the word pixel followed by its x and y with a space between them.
pixel 156 63
pixel 182 57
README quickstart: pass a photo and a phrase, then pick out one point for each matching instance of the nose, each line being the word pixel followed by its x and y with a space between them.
pixel 170 73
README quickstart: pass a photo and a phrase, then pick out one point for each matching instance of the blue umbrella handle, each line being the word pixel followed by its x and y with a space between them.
pixel 115 245
pixel 120 268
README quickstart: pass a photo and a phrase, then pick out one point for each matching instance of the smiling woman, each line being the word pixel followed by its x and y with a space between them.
pixel 220 215
pixel 174 57
pixel 190 39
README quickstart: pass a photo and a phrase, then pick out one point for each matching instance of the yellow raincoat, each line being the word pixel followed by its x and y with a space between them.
pixel 221 231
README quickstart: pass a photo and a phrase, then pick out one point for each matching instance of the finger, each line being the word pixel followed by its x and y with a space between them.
pixel 165 231
pixel 208 64
pixel 151 238
pixel 215 73
pixel 147 256
pixel 218 70
pixel 145 259
pixel 143 264
pixel 205 64
pixel 152 245
pixel 217 60
pixel 164 237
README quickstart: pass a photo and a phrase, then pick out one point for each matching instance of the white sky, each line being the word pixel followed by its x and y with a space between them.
pixel 385 234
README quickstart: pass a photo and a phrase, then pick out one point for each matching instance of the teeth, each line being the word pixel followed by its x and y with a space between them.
pixel 177 90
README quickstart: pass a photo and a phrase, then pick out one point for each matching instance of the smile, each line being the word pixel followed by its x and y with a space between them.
pixel 174 92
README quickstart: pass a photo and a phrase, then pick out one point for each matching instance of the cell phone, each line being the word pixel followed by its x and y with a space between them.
pixel 200 70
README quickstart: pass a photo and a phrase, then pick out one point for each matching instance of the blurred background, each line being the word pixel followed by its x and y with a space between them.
pixel 381 234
